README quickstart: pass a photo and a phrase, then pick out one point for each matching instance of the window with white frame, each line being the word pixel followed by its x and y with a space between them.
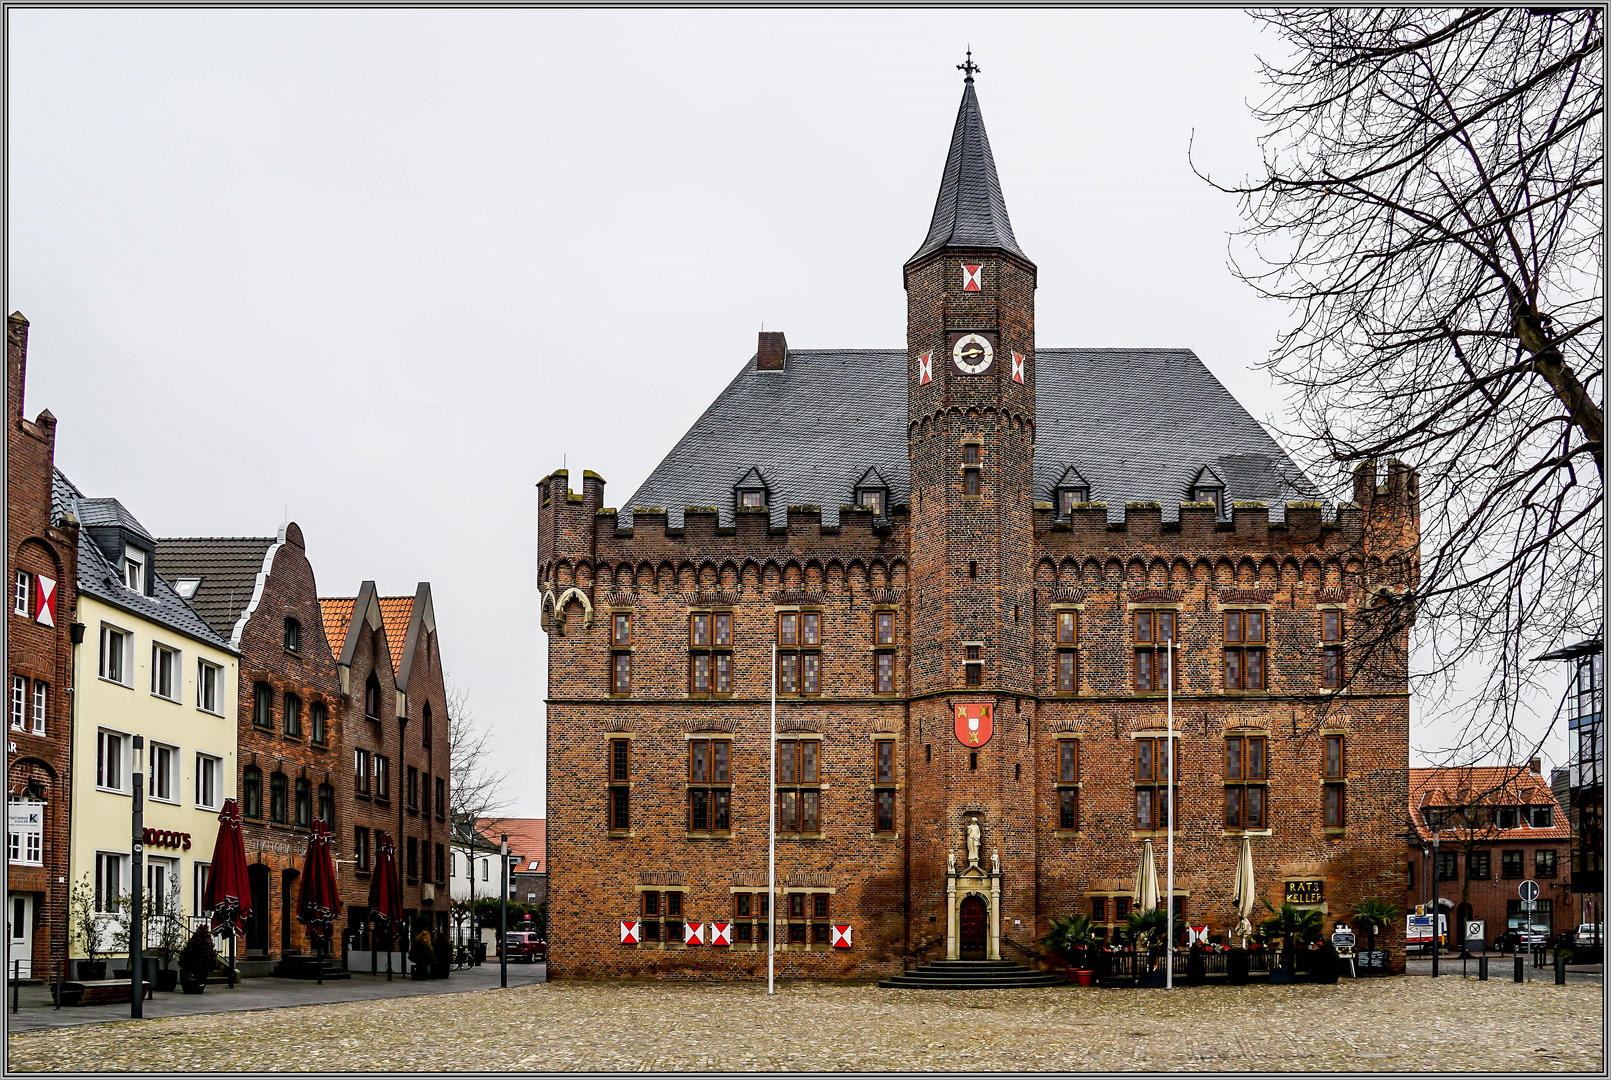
pixel 134 569
pixel 209 771
pixel 161 877
pixel 26 848
pixel 208 677
pixel 25 582
pixel 40 700
pixel 111 880
pixel 111 757
pixel 198 895
pixel 164 769
pixel 115 654
pixel 165 678
pixel 19 703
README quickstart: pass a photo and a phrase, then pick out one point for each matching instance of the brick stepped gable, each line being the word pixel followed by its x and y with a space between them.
pixel 972 975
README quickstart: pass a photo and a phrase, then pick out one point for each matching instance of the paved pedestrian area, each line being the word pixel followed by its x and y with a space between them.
pixel 38 1011
pixel 1375 1025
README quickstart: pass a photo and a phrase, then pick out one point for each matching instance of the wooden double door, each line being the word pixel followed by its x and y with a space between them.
pixel 973 927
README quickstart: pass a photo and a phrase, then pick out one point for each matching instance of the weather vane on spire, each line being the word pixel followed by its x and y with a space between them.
pixel 968 67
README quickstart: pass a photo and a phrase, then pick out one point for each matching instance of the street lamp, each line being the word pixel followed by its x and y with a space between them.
pixel 1436 913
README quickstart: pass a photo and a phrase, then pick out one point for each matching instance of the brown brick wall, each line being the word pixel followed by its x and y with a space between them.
pixel 36 544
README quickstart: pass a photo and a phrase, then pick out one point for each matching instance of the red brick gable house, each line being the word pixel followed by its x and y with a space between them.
pixel 528 854
pixel 42 575
pixel 970 557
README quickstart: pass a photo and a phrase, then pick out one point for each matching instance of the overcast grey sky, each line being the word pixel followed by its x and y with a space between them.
pixel 379 270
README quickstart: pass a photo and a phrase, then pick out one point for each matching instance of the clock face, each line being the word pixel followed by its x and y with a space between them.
pixel 973 354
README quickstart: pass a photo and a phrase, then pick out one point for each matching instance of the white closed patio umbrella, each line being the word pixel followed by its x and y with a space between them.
pixel 1244 893
pixel 1145 890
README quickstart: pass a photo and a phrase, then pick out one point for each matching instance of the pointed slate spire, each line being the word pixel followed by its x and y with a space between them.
pixel 970 211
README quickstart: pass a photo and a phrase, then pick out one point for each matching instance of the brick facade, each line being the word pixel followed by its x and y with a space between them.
pixel 974 571
pixel 40 654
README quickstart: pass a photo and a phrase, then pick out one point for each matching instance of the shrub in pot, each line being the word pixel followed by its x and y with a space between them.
pixel 420 955
pixel 196 961
pixel 443 958
pixel 83 926
pixel 1072 939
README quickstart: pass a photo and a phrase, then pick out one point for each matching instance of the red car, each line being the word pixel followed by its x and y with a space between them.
pixel 524 945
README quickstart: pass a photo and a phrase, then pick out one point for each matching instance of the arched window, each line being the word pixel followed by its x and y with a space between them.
pixel 277 798
pixel 425 725
pixel 319 722
pixel 292 715
pixel 252 792
pixel 293 635
pixel 327 806
pixel 304 804
pixel 372 697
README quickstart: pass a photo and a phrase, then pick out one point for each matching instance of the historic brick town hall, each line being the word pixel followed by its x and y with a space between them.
pixel 972 555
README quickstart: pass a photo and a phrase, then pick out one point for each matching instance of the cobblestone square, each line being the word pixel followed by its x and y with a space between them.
pixel 1382 1025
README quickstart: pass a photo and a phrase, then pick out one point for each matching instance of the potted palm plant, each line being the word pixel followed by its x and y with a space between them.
pixel 1375 916
pixel 1145 931
pixel 1296 927
pixel 196 961
pixel 1072 938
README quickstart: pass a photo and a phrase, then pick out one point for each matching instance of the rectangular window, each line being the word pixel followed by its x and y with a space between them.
pixel 164 766
pixel 884 628
pixel 1511 864
pixel 1245 772
pixel 383 778
pixel 262 705
pixel 1479 866
pixel 114 654
pixel 19 603
pixel 1244 650
pixel 1154 631
pixel 1331 666
pixel 620 794
pixel 1331 625
pixel 440 860
pixel 319 723
pixel 1068 671
pixel 1336 805
pixel 19 703
pixel 1336 793
pixel 1539 817
pixel 798 765
pixel 621 630
pixel 710 672
pixel 413 790
pixel 441 798
pixel 1068 777
pixel 413 858
pixel 884 672
pixel 973 665
pixel 1544 863
pixel 40 703
pixel 208 775
pixel 788 629
pixel 1334 757
pixel 808 672
pixel 360 848
pixel 277 798
pixel 621 673
pixel 884 785
pixel 1448 866
pixel 207 680
pixel 1068 808
pixel 165 680
pixel 799 672
pixel 109 758
pixel 699 630
pixel 708 793
pixel 111 881
pixel 1151 768
pixel 788 672
pixel 360 772
pixel 721 631
pixel 291 717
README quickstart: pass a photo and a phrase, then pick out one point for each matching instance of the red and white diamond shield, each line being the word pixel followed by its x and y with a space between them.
pixel 970 277
pixel 973 724
pixel 841 937
pixel 629 933
pixel 47 601
pixel 925 368
pixel 721 933
pixel 1017 368
pixel 693 933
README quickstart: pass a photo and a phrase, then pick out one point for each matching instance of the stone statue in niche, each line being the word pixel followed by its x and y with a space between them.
pixel 950 862
pixel 995 861
pixel 973 842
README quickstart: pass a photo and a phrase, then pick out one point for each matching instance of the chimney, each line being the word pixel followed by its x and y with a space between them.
pixel 1537 765
pixel 771 351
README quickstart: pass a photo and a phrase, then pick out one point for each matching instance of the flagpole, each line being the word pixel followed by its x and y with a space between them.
pixel 1169 924
pixel 772 835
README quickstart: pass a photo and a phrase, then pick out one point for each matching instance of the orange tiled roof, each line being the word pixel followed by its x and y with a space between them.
pixel 1486 786
pixel 395 612
pixel 337 613
pixel 528 839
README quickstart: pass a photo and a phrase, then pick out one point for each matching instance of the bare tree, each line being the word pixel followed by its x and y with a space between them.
pixel 1431 208
pixel 476 788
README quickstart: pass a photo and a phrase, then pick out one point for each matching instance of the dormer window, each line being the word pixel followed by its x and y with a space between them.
pixel 134 569
pixel 186 587
pixel 876 499
pixel 752 497
pixel 1068 498
pixel 1215 495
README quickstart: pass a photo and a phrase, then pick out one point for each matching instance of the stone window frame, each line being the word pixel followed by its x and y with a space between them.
pixel 972 663
pixel 800 653
pixel 661 915
pixel 885 650
pixel 1111 920
pixel 712 788
pixel 620 673
pixel 1152 644
pixel 882 787
pixel 971 469
pixel 618 783
pixel 1333 672
pixel 1068 646
pixel 1157 783
pixel 799 788
pixel 1243 648
pixel 714 654
pixel 1334 782
pixel 1242 781
pixel 1062 783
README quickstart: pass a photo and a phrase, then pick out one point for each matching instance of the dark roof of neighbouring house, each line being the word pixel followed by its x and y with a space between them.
pixel 1139 424
pixel 227 566
pixel 97 576
pixel 970 211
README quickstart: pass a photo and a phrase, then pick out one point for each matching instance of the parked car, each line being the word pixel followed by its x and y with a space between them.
pixel 1506 942
pixel 525 945
pixel 1589 933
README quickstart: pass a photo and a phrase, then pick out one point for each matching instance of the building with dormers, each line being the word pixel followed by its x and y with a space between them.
pixel 971 556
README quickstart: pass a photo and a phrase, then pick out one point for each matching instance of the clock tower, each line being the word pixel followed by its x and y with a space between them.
pixel 970 332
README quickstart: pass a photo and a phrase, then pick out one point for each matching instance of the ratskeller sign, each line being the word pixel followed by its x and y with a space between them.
pixel 1305 892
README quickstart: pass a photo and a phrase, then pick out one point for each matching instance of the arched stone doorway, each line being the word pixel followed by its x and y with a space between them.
pixel 973 927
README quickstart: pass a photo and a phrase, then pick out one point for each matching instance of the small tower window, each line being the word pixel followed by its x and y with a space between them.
pixel 752 497
pixel 293 635
pixel 1215 495
pixel 1068 498
pixel 873 498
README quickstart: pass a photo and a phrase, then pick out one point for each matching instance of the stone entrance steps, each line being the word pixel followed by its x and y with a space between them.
pixel 972 975
pixel 295 966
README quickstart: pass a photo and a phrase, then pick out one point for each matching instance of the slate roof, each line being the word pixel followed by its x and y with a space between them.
pixel 107 513
pixel 1138 424
pixel 227 566
pixel 1486 785
pixel 97 576
pixel 970 210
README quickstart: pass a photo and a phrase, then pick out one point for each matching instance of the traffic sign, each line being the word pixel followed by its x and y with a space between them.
pixel 1528 890
pixel 1477 931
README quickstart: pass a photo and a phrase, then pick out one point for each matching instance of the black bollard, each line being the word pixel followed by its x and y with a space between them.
pixel 1482 968
pixel 1560 969
pixel 1520 968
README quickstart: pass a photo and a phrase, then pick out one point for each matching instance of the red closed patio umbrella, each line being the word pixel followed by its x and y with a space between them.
pixel 385 896
pixel 227 895
pixel 318 903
